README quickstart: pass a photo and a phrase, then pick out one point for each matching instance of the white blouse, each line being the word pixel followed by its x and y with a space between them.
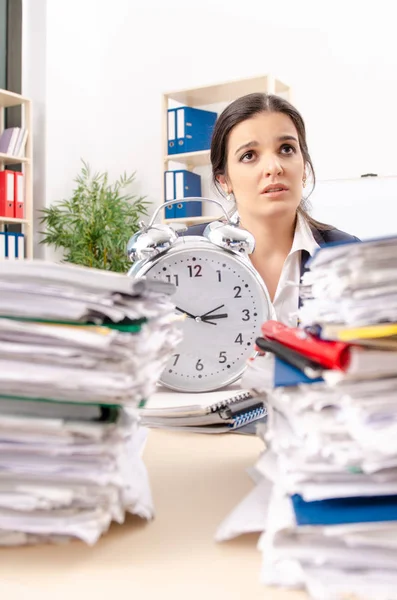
pixel 286 300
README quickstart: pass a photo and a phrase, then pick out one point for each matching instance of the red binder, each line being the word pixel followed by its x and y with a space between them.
pixel 331 355
pixel 19 205
pixel 7 193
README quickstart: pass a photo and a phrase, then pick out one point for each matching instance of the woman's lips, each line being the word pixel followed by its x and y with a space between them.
pixel 274 193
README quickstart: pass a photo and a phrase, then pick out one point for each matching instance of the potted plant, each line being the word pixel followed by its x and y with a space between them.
pixel 92 227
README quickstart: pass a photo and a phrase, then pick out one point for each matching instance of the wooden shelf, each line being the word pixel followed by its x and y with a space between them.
pixel 8 99
pixel 8 159
pixel 193 220
pixel 228 91
pixel 11 220
pixel 193 159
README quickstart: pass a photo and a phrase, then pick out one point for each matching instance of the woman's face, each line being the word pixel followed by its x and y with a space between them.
pixel 265 167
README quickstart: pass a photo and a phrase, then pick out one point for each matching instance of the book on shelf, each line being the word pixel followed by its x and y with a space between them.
pixel 13 141
pixel 12 203
pixel 180 184
pixel 189 129
pixel 12 246
pixel 19 195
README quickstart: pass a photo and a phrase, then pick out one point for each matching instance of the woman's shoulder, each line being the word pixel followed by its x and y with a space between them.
pixel 195 229
pixel 332 235
pixel 323 235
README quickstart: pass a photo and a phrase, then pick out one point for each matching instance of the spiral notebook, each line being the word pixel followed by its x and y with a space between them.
pixel 231 414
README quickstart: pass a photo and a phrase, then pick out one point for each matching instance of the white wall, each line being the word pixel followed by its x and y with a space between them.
pixel 96 70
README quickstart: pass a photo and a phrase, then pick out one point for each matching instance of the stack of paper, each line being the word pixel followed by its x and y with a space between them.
pixel 332 511
pixel 351 285
pixel 326 493
pixel 80 350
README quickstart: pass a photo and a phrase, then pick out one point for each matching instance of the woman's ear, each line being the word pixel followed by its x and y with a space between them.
pixel 307 174
pixel 224 184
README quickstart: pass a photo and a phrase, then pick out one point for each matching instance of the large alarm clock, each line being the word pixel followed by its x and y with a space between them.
pixel 223 299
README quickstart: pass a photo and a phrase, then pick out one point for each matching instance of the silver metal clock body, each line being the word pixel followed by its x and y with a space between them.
pixel 225 302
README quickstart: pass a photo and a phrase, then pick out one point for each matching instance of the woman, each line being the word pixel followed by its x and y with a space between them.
pixel 261 162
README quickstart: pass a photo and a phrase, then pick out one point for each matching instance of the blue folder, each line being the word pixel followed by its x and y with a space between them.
pixel 194 129
pixel 169 194
pixel 182 184
pixel 171 131
pixel 12 245
pixel 286 375
pixel 187 185
pixel 339 511
pixel 3 245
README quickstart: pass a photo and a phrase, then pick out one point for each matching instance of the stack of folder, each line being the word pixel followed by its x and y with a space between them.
pixel 189 129
pixel 326 493
pixel 179 184
pixel 80 351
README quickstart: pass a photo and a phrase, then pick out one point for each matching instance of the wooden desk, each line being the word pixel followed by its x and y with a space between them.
pixel 196 480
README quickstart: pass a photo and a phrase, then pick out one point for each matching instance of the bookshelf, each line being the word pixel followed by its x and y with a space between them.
pixel 212 97
pixel 8 100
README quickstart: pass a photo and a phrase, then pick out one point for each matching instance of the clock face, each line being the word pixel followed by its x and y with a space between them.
pixel 225 306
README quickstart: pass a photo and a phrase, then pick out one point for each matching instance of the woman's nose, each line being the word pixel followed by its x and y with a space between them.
pixel 273 166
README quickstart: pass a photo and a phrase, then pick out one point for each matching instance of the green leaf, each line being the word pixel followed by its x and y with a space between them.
pixel 93 226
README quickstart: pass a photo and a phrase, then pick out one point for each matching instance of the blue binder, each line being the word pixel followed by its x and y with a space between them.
pixel 171 131
pixel 169 193
pixel 19 245
pixel 12 246
pixel 3 245
pixel 194 129
pixel 187 185
pixel 286 375
pixel 338 511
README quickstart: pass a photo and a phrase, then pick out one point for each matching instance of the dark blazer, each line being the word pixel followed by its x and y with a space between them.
pixel 322 238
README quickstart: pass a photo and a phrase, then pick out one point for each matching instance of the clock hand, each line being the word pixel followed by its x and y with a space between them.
pixel 185 312
pixel 211 311
pixel 212 317
pixel 207 318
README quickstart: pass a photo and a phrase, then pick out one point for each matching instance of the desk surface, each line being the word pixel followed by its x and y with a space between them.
pixel 196 480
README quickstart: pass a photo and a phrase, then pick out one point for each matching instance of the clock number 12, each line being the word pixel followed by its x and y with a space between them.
pixel 194 270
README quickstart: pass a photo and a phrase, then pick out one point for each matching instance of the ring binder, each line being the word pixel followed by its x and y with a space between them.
pixel 222 416
pixel 228 401
pixel 246 418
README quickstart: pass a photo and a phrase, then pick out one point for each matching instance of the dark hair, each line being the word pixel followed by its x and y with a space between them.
pixel 244 108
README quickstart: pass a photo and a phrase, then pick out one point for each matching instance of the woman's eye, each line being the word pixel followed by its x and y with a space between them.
pixel 287 149
pixel 247 157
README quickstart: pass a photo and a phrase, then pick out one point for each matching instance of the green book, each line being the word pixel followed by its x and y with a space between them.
pixel 125 325
pixel 55 409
